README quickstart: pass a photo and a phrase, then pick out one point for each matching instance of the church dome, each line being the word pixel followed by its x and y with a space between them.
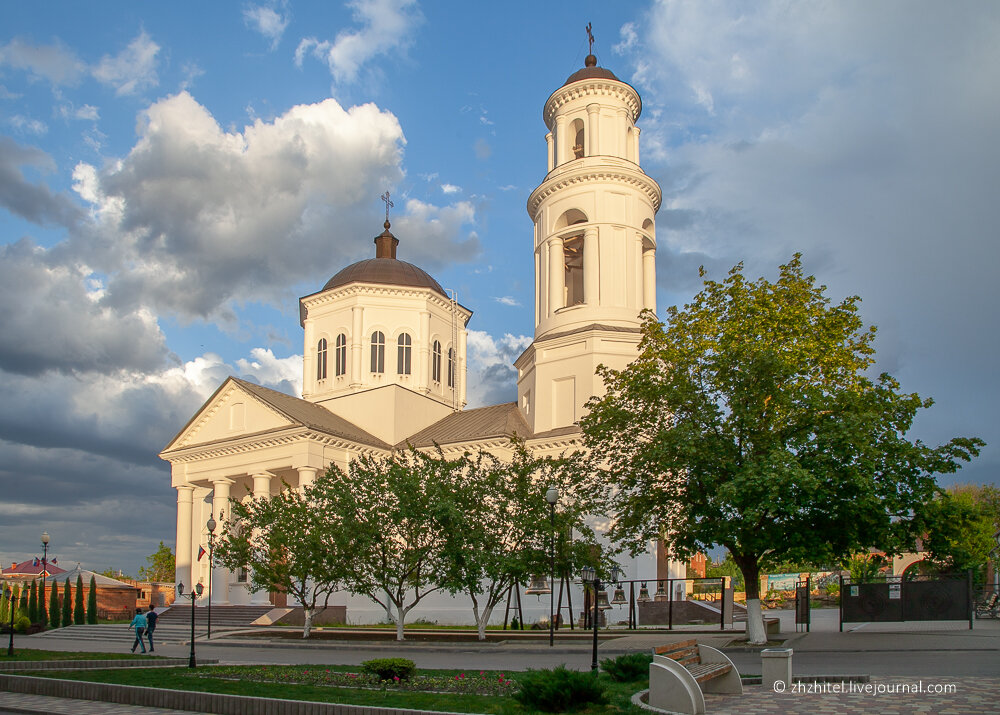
pixel 385 269
pixel 591 71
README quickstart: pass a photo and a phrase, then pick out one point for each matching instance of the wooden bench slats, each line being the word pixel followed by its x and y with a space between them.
pixel 685 653
pixel 707 671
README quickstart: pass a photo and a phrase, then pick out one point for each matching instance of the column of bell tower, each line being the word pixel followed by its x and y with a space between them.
pixel 594 244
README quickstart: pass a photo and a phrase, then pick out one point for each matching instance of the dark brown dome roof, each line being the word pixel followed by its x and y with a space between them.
pixel 386 271
pixel 591 71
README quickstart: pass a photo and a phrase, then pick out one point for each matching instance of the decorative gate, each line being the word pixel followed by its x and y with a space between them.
pixel 803 615
pixel 945 597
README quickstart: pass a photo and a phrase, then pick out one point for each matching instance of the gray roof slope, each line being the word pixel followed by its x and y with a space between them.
pixel 502 420
pixel 310 414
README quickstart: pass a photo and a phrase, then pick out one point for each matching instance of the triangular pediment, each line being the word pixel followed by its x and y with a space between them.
pixel 232 412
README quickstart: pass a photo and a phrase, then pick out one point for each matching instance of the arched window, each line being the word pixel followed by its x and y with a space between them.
pixel 403 354
pixel 436 362
pixel 321 359
pixel 451 367
pixel 576 132
pixel 340 355
pixel 378 351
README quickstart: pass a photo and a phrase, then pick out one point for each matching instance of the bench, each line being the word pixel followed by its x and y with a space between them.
pixel 682 672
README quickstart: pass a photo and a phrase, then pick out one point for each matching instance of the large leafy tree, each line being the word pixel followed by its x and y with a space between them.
pixel 287 542
pixel 749 421
pixel 957 531
pixel 498 525
pixel 395 508
pixel 160 565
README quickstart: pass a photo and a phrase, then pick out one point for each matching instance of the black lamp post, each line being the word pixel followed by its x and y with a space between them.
pixel 45 561
pixel 197 591
pixel 590 574
pixel 211 568
pixel 9 593
pixel 552 497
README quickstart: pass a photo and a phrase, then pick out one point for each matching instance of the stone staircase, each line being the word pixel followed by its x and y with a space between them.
pixel 172 627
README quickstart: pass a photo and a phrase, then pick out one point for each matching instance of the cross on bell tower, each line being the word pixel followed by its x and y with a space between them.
pixel 388 205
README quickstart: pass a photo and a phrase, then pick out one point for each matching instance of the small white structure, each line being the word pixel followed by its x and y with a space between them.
pixel 776 667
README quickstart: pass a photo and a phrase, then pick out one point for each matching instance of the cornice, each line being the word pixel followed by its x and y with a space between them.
pixel 277 438
pixel 381 290
pixel 634 179
pixel 592 88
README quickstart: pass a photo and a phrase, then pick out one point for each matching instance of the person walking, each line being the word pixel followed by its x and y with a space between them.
pixel 139 623
pixel 151 617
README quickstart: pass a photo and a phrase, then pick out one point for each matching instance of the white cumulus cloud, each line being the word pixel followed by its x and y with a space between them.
pixel 133 69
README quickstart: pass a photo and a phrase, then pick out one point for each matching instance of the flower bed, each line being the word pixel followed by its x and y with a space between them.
pixel 483 683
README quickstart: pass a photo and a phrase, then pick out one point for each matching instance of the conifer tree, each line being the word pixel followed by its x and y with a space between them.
pixel 54 605
pixel 67 605
pixel 33 603
pixel 92 601
pixel 78 616
pixel 23 600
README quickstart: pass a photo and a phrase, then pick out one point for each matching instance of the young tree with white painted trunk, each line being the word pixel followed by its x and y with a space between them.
pixel 749 421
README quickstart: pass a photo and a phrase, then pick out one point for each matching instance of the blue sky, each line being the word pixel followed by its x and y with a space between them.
pixel 173 176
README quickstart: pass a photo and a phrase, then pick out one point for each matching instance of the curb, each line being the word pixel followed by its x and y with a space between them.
pixel 19 665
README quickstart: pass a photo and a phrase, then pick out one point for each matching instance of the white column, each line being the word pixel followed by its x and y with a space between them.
pixel 538 290
pixel 635 144
pixel 307 475
pixel 462 338
pixel 550 149
pixel 357 343
pixel 557 275
pixel 309 361
pixel 182 560
pixel 593 122
pixel 561 140
pixel 543 283
pixel 622 133
pixel 220 511
pixel 261 490
pixel 649 278
pixel 591 268
pixel 637 269
pixel 423 347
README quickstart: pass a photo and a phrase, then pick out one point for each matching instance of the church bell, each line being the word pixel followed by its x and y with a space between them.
pixel 643 593
pixel 538 586
pixel 619 597
pixel 602 600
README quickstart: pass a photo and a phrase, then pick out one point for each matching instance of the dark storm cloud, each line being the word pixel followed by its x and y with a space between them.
pixel 33 202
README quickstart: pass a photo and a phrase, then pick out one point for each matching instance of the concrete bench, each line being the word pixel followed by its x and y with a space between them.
pixel 682 672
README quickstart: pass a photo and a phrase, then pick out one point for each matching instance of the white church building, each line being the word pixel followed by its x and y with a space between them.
pixel 385 349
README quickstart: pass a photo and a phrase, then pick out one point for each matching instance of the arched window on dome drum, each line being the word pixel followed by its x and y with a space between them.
pixel 436 362
pixel 378 352
pixel 576 130
pixel 403 348
pixel 451 367
pixel 321 359
pixel 340 355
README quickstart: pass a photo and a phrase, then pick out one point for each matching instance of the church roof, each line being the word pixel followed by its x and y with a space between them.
pixel 470 425
pixel 310 414
pixel 386 271
pixel 591 71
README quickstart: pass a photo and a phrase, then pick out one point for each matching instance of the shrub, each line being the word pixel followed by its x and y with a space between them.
pixel 627 668
pixel 559 690
pixel 21 624
pixel 390 668
pixel 514 623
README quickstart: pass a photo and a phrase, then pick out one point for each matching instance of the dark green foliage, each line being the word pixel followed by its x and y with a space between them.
pixel 67 606
pixel 78 615
pixel 92 602
pixel 54 604
pixel 559 690
pixel 23 600
pixel 389 668
pixel 515 624
pixel 33 604
pixel 21 624
pixel 627 668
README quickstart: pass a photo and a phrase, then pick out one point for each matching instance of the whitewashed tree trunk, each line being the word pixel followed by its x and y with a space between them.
pixel 755 623
pixel 307 615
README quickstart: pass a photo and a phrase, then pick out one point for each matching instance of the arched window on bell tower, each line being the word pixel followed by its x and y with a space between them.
pixel 403 349
pixel 578 138
pixel 436 362
pixel 321 359
pixel 451 367
pixel 340 355
pixel 378 352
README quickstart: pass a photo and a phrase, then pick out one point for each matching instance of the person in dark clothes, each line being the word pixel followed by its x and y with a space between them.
pixel 150 627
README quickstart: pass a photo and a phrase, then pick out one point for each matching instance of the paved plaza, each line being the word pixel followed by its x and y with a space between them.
pixel 911 667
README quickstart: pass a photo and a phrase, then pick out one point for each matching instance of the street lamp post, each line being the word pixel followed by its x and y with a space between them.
pixel 45 561
pixel 590 574
pixel 211 568
pixel 552 497
pixel 9 593
pixel 195 593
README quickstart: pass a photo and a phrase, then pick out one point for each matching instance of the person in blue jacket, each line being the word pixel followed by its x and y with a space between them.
pixel 139 623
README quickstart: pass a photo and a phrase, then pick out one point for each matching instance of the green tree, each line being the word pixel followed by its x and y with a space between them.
pixel 67 604
pixel 957 531
pixel 54 604
pixel 23 601
pixel 78 614
pixel 749 421
pixel 161 565
pixel 114 573
pixel 726 567
pixel 92 601
pixel 391 506
pixel 497 524
pixel 33 615
pixel 287 543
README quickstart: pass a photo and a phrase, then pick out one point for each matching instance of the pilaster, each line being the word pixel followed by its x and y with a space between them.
pixel 182 565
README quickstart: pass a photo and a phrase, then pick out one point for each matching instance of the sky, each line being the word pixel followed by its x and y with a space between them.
pixel 174 176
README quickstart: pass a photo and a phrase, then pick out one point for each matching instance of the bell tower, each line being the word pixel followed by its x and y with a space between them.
pixel 594 245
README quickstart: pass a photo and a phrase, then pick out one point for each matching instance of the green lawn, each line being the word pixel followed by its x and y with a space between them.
pixel 239 681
